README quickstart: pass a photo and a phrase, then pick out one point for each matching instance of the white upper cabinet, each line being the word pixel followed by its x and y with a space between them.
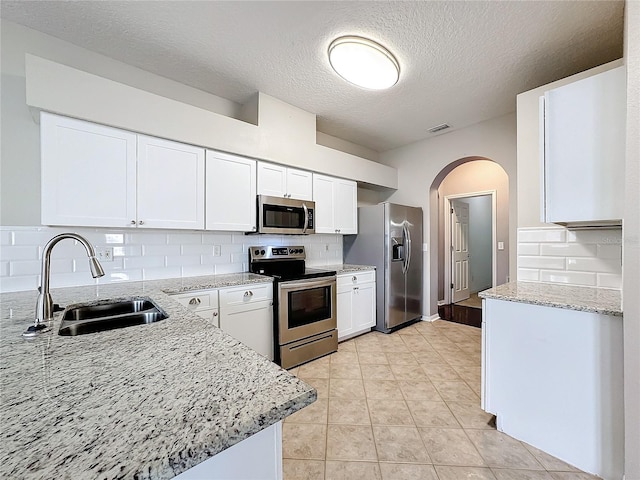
pixel 278 181
pixel 230 192
pixel 583 150
pixel 100 176
pixel 336 205
pixel 88 173
pixel 170 184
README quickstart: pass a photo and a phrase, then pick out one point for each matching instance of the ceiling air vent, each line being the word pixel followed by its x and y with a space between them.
pixel 438 128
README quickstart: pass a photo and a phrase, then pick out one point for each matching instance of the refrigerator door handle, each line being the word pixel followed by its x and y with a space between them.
pixel 408 254
pixel 405 242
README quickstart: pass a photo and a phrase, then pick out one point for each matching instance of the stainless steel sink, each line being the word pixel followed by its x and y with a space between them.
pixel 109 315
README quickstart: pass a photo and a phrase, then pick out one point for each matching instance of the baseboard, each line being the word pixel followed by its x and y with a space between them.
pixel 432 318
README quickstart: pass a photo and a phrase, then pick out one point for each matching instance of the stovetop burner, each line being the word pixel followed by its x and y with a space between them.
pixel 283 263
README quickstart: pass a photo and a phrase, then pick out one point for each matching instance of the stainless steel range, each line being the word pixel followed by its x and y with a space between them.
pixel 304 304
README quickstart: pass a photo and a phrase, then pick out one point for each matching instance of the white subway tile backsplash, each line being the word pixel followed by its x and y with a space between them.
pixel 528 249
pixel 193 249
pixel 526 235
pixel 525 261
pixel 600 236
pixel 197 270
pixel 146 238
pixel 229 268
pixel 568 250
pixel 127 251
pixel 142 254
pixel 32 267
pixel 159 273
pixel 159 250
pixel 574 257
pixel 184 238
pixel 16 284
pixel 610 251
pixel 183 260
pixel 143 262
pixel 528 275
pixel 17 252
pixel 6 238
pixel 572 278
pixel 610 280
pixel 605 265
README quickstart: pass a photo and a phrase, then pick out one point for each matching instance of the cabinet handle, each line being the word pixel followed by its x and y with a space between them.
pixel 195 301
pixel 248 293
pixel 215 314
pixel 354 278
pixel 140 222
pixel 133 222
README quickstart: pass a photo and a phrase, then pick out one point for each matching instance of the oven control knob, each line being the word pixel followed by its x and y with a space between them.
pixel 299 250
pixel 262 252
pixel 291 250
pixel 257 252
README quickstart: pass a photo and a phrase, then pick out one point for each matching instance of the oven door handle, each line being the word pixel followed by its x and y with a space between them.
pixel 306 218
pixel 307 284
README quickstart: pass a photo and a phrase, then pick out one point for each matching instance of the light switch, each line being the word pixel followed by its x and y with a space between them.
pixel 425 247
pixel 500 245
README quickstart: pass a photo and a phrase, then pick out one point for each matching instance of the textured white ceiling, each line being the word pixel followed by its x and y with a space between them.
pixel 461 62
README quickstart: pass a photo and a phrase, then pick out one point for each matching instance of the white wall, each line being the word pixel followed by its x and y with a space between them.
pixel 421 163
pixel 631 246
pixel 480 268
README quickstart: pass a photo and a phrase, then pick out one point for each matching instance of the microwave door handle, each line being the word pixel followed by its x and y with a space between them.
pixel 306 218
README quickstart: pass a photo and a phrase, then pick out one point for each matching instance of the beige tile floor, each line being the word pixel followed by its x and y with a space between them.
pixel 406 406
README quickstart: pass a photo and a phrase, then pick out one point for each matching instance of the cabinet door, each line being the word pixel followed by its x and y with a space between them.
pixel 584 149
pixel 346 205
pixel 299 184
pixel 252 325
pixel 345 320
pixel 88 173
pixel 323 196
pixel 364 306
pixel 272 180
pixel 170 184
pixel 230 192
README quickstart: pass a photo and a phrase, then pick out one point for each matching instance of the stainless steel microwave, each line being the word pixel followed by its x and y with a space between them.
pixel 285 215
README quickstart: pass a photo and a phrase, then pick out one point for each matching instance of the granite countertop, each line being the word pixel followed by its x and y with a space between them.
pixel 147 401
pixel 585 299
pixel 347 268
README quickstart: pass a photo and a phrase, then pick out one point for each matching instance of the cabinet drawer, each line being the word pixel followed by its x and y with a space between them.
pixel 198 300
pixel 246 294
pixel 356 278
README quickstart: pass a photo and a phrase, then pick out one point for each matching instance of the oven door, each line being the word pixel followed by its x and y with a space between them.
pixel 306 308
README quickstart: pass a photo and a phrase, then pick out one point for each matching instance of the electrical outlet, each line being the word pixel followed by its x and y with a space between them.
pixel 216 251
pixel 104 254
pixel 500 245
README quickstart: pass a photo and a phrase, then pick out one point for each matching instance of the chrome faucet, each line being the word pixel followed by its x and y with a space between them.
pixel 44 306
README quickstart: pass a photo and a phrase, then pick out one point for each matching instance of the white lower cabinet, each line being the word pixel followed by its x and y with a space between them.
pixel 356 298
pixel 259 457
pixel 553 378
pixel 203 303
pixel 246 313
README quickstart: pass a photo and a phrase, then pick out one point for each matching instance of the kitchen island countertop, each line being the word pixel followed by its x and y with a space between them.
pixel 144 402
pixel 586 299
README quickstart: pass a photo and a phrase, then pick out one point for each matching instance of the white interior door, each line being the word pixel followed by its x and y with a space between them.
pixel 460 250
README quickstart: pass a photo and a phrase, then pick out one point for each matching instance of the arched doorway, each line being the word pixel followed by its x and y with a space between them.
pixel 468 179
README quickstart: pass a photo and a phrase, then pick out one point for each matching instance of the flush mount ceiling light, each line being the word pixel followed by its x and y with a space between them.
pixel 364 62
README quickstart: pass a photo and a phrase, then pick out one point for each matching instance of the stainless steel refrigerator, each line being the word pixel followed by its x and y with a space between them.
pixel 390 238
